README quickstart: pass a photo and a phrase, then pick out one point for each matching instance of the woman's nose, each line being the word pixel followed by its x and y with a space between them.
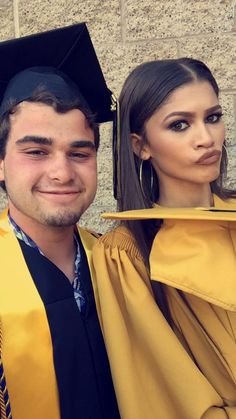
pixel 204 137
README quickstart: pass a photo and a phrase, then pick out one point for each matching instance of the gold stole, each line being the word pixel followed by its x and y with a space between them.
pixel 27 347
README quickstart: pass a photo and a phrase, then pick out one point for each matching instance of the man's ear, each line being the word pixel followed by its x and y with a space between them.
pixel 139 148
pixel 2 177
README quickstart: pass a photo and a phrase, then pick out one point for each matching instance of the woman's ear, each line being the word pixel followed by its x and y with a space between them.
pixel 139 148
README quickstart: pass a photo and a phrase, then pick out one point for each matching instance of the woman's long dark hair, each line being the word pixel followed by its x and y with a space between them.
pixel 145 89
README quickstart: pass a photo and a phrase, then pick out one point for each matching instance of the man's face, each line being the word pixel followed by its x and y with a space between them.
pixel 49 166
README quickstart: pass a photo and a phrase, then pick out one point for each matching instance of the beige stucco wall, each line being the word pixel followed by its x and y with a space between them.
pixel 128 32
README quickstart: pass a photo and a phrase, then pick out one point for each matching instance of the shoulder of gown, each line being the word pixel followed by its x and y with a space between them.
pixel 121 239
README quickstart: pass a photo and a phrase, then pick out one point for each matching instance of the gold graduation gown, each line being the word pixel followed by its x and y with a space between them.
pixel 187 371
pixel 27 357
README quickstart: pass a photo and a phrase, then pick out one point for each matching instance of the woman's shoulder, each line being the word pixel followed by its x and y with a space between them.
pixel 226 203
pixel 122 239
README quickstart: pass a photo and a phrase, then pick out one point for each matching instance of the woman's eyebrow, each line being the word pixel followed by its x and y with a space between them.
pixel 183 113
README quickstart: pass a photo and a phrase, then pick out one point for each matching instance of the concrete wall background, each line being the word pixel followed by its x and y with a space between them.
pixel 128 32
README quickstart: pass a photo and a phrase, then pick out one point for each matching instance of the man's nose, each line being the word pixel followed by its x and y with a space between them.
pixel 61 170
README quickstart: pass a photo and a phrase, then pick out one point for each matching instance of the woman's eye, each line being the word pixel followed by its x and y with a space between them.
pixel 179 125
pixel 215 117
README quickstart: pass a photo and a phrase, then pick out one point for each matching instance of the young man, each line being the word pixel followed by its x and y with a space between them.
pixel 54 364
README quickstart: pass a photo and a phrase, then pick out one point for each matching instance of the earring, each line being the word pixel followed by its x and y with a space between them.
pixel 141 177
pixel 226 151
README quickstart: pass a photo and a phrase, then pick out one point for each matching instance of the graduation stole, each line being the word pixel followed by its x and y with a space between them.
pixel 5 408
pixel 26 340
pixel 26 345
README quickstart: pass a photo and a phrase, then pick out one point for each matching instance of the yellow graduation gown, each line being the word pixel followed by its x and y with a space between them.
pixel 26 348
pixel 187 371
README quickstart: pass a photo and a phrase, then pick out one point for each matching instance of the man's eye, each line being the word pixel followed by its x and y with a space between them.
pixel 83 153
pixel 36 152
pixel 80 155
pixel 215 117
pixel 178 125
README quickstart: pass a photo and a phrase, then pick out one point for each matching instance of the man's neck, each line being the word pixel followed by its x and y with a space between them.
pixel 59 248
pixel 56 243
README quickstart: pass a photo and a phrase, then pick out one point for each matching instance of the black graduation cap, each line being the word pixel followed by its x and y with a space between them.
pixel 68 50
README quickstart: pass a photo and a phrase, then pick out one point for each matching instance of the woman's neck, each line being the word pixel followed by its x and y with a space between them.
pixel 186 196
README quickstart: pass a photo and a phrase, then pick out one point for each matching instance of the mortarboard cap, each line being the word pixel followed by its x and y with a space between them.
pixel 63 60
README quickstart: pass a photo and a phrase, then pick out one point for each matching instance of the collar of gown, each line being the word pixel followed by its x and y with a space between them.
pixel 195 250
pixel 222 210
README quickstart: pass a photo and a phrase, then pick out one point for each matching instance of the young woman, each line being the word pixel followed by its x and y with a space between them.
pixel 166 278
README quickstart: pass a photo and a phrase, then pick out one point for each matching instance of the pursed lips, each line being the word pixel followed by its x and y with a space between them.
pixel 209 157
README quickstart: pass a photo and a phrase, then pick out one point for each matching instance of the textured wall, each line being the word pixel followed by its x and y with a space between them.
pixel 128 32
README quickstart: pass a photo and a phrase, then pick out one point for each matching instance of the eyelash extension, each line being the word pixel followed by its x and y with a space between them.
pixel 217 114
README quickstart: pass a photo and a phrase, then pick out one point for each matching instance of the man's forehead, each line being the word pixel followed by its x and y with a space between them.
pixel 40 120
pixel 40 110
pixel 28 107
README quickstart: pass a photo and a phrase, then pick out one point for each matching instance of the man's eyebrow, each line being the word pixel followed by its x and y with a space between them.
pixel 82 144
pixel 48 141
pixel 181 113
pixel 34 139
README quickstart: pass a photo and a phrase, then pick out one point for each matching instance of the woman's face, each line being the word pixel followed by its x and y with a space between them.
pixel 185 137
